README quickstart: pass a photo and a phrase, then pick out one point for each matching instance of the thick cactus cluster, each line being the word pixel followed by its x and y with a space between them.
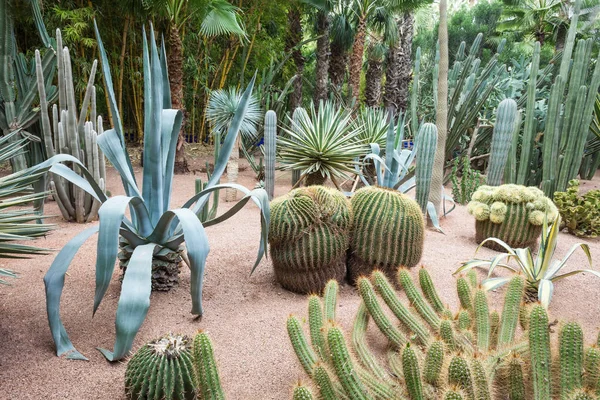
pixel 388 232
pixel 474 354
pixel 512 213
pixel 308 236
pixel 174 367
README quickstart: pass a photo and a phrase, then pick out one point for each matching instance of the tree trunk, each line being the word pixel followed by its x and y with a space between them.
pixel 356 61
pixel 292 41
pixel 175 66
pixel 322 67
pixel 392 72
pixel 441 118
pixel 405 62
pixel 337 65
pixel 373 82
pixel 315 179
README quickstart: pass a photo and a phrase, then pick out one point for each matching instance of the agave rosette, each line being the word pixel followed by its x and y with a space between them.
pixel 152 225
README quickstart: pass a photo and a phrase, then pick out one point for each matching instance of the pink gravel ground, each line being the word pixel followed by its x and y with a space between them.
pixel 244 315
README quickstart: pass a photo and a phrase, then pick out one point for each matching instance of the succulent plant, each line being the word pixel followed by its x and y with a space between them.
pixel 308 236
pixel 512 213
pixel 579 213
pixel 467 183
pixel 451 365
pixel 387 231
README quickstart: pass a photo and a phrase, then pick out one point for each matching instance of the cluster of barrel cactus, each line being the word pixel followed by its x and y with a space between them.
pixel 308 235
pixel 476 353
pixel 512 213
pixel 388 231
pixel 174 367
pixel 72 132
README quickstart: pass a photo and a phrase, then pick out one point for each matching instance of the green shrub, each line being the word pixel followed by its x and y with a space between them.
pixel 467 183
pixel 580 214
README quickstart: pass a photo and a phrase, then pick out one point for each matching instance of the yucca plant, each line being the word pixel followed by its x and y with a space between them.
pixel 16 191
pixel 321 144
pixel 154 230
pixel 540 271
pixel 371 124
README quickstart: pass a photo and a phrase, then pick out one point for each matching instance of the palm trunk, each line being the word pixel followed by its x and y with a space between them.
pixel 292 41
pixel 322 67
pixel 175 66
pixel 392 72
pixel 441 120
pixel 356 60
pixel 373 81
pixel 337 64
pixel 405 63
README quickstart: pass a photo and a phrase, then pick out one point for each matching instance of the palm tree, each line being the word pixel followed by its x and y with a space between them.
pixel 342 37
pixel 292 43
pixel 218 17
pixel 375 57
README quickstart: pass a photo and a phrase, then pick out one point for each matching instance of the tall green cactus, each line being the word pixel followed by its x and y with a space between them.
pixel 301 392
pixel 539 349
pixel 296 122
pixel 412 373
pixel 570 358
pixel 72 133
pixel 510 312
pixel 270 150
pixel 506 118
pixel 207 374
pixel 426 142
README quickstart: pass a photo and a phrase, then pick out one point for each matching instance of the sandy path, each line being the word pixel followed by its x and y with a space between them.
pixel 245 316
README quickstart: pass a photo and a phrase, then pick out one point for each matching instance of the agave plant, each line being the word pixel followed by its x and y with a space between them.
pixel 153 228
pixel 372 126
pixel 16 191
pixel 540 271
pixel 321 144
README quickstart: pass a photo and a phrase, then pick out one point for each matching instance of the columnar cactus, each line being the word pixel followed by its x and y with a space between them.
pixel 72 133
pixel 388 232
pixel 512 213
pixel 427 142
pixel 506 118
pixel 162 369
pixel 308 236
pixel 270 150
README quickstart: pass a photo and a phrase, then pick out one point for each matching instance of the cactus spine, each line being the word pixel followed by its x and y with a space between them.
pixel 315 322
pixel 515 379
pixel 209 384
pixel 482 320
pixel 464 294
pixel 453 394
pixel 331 297
pixel 510 311
pixel 302 393
pixel 591 368
pixel 305 353
pixel 472 278
pixel 427 143
pixel 388 232
pixel 324 383
pixel 482 387
pixel 506 117
pixel 308 236
pixel 72 134
pixel 359 331
pixel 494 329
pixel 447 334
pixel 570 358
pixel 270 150
pixel 417 299
pixel 539 349
pixel 412 374
pixel 459 374
pixel 434 360
pixel 464 320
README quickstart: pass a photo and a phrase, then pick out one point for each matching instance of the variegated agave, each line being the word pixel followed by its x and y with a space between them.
pixel 540 271
pixel 153 226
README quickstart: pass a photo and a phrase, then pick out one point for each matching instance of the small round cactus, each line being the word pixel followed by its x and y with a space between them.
pixel 388 232
pixel 308 237
pixel 512 213
pixel 162 369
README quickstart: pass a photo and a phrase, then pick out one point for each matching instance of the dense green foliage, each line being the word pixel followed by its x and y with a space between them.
pixel 580 213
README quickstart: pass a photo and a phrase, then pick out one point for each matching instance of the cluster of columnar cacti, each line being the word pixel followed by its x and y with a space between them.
pixel 512 213
pixel 387 232
pixel 174 367
pixel 71 132
pixel 434 354
pixel 308 237
pixel 504 128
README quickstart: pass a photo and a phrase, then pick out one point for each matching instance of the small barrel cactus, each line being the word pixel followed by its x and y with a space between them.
pixel 388 232
pixel 512 213
pixel 308 237
pixel 162 369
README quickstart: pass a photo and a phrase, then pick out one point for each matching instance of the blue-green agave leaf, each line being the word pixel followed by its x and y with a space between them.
pixel 134 301
pixel 171 125
pixel 110 144
pixel 54 281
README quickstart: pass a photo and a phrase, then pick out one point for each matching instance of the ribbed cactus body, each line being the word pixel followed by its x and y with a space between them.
pixel 447 334
pixel 464 294
pixel 412 374
pixel 315 322
pixel 429 290
pixel 303 351
pixel 426 143
pixel 570 349
pixel 323 382
pixel 539 350
pixel 480 379
pixel 506 118
pixel 511 213
pixel 417 299
pixel 591 368
pixel 270 149
pixel 482 320
pixel 515 380
pixel 388 232
pixel 209 383
pixel 162 369
pixel 434 360
pixel 308 237
pixel 510 311
pixel 302 393
pixel 459 374
pixel 452 394
pixel 464 320
pixel 494 329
